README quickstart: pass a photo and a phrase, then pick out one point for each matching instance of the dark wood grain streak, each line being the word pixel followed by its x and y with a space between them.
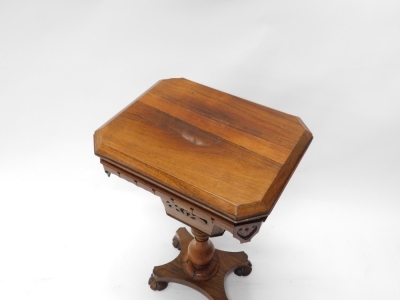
pixel 229 133
pixel 255 119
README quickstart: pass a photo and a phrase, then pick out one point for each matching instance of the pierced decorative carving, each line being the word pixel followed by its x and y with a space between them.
pixel 172 204
pixel 244 233
pixel 247 232
pixel 190 216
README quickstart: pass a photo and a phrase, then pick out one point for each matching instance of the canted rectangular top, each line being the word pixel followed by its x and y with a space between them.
pixel 231 155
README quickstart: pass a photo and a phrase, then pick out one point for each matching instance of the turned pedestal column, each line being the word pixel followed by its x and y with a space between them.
pixel 200 262
pixel 199 265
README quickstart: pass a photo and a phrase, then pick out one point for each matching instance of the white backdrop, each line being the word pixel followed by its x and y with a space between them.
pixel 69 232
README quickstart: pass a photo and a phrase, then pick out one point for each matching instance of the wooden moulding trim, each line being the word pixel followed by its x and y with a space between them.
pixel 228 223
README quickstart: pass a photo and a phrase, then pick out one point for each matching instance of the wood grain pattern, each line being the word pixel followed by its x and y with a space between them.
pixel 228 154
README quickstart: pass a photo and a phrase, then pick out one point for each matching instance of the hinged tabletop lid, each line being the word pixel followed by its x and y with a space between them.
pixel 229 154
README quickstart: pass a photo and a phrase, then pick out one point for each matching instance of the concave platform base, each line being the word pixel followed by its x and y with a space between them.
pixel 212 288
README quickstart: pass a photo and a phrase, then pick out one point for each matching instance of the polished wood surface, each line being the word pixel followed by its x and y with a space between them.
pixel 229 156
pixel 219 163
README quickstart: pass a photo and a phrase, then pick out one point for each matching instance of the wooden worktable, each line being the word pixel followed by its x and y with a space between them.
pixel 219 163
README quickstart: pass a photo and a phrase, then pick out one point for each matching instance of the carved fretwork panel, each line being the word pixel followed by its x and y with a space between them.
pixel 245 232
pixel 190 216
